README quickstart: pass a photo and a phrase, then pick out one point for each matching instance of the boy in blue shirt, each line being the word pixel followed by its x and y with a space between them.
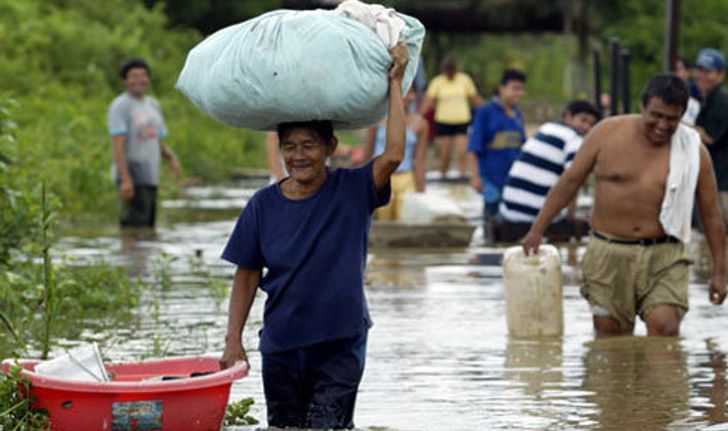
pixel 496 137
pixel 310 232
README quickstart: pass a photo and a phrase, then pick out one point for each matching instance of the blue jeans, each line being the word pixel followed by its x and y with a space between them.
pixel 490 211
pixel 314 386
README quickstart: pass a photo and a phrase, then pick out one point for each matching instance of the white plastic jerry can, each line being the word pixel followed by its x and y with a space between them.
pixel 534 292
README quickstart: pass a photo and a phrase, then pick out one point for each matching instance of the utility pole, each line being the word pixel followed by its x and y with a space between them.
pixel 597 70
pixel 614 75
pixel 672 33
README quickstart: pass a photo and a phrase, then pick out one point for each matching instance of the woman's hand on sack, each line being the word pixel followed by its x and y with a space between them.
pixel 400 57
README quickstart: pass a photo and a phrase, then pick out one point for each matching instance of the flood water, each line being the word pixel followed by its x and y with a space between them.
pixel 439 357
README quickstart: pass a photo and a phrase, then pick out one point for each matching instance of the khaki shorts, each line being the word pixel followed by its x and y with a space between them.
pixel 403 182
pixel 624 280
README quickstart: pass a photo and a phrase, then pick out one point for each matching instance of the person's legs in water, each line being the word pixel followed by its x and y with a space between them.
pixel 286 400
pixel 490 216
pixel 334 371
pixel 140 210
pixel 461 153
pixel 664 301
pixel 444 145
pixel 611 274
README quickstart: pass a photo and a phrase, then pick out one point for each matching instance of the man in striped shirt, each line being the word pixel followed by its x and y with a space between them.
pixel 542 160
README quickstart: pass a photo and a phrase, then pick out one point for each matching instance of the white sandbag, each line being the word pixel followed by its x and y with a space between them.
pixel 430 208
pixel 288 66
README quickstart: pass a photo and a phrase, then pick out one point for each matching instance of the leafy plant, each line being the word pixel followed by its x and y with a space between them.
pixel 163 270
pixel 16 411
pixel 219 288
pixel 159 348
pixel 237 413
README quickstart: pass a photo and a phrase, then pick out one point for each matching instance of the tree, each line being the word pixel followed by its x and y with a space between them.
pixel 640 27
pixel 208 16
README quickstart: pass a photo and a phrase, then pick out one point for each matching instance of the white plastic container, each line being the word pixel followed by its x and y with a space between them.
pixel 534 292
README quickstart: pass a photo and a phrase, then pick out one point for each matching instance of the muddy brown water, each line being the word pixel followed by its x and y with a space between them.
pixel 439 357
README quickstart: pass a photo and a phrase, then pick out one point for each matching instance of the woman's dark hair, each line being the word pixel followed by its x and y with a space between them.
pixel 133 63
pixel 669 88
pixel 449 65
pixel 323 128
pixel 582 107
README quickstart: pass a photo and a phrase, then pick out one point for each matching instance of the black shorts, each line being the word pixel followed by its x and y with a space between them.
pixel 443 129
pixel 141 209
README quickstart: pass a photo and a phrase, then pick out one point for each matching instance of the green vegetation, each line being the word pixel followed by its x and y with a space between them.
pixel 16 413
pixel 218 287
pixel 33 293
pixel 640 26
pixel 237 413
pixel 545 58
pixel 60 66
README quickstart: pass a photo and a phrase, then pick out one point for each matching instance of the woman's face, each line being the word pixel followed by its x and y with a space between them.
pixel 305 154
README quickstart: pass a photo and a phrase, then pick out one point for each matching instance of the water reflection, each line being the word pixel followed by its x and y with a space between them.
pixel 637 383
pixel 439 357
pixel 136 249
pixel 711 388
pixel 535 364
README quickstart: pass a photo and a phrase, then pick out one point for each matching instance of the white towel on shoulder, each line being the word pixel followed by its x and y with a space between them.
pixel 381 20
pixel 682 180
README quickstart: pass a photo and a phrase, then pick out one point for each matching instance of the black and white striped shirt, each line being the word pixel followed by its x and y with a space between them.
pixel 544 157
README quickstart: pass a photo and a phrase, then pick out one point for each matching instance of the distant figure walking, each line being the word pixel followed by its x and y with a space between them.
pixel 495 140
pixel 452 93
pixel 648 169
pixel 138 131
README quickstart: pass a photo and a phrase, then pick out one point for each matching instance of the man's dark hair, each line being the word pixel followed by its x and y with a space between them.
pixel 323 128
pixel 669 88
pixel 133 63
pixel 582 107
pixel 512 75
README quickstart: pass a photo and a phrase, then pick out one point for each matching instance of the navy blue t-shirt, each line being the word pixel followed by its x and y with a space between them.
pixel 315 250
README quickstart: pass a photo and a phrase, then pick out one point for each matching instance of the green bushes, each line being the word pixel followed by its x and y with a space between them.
pixel 32 294
pixel 15 405
pixel 60 64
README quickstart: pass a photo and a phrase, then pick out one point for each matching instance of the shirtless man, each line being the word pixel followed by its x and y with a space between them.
pixel 636 261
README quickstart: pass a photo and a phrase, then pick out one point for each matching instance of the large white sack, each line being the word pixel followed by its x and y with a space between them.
pixel 426 208
pixel 288 66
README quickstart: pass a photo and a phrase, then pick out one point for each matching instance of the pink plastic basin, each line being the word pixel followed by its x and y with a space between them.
pixel 129 403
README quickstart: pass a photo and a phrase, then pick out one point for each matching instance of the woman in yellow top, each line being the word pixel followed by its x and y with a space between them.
pixel 451 92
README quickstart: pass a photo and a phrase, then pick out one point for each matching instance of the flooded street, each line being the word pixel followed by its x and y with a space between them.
pixel 439 357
